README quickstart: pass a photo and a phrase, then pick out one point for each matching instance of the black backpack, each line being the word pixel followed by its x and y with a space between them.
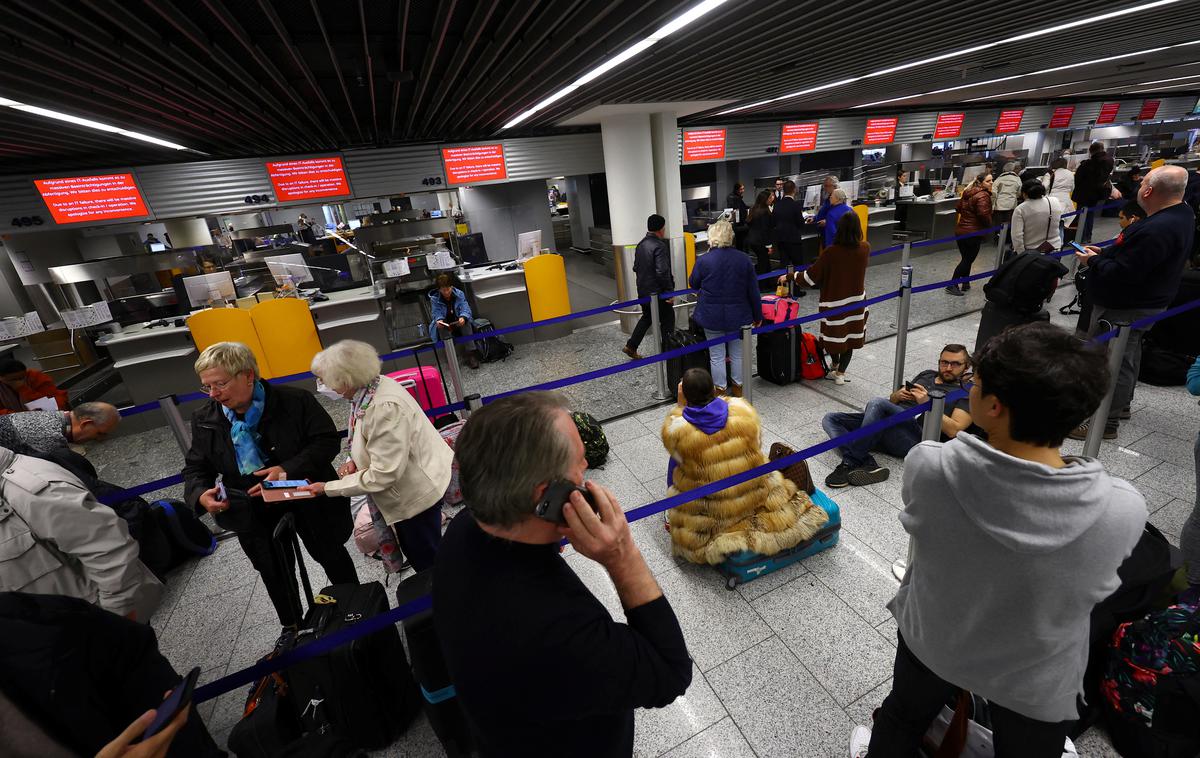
pixel 490 348
pixel 1024 282
pixel 186 533
pixel 595 444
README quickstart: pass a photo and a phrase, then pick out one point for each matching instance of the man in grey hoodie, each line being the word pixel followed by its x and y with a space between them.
pixel 1013 545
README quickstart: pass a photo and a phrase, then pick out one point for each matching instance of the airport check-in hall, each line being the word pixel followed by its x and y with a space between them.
pixel 691 378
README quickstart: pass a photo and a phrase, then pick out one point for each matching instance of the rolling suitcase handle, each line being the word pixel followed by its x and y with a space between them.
pixel 287 541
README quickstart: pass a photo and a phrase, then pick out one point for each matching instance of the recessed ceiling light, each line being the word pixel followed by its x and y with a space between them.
pixel 958 53
pixel 681 21
pixel 87 122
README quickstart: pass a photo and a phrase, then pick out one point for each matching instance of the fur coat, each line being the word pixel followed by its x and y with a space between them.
pixel 764 515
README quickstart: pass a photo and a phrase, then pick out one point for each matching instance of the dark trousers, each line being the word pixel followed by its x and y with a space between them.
pixel 324 536
pixel 968 251
pixel 762 266
pixel 666 321
pixel 917 697
pixel 791 253
pixel 420 535
pixel 895 440
pixel 841 361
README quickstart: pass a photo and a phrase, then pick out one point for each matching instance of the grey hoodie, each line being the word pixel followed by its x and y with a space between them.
pixel 1010 557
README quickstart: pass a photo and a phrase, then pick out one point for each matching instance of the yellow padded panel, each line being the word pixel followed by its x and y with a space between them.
pixel 546 283
pixel 1158 163
pixel 863 213
pixel 689 252
pixel 214 325
pixel 287 333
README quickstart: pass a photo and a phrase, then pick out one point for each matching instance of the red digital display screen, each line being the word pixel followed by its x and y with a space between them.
pixel 880 130
pixel 703 145
pixel 474 163
pixel 1062 116
pixel 1009 121
pixel 308 178
pixel 75 199
pixel 1149 108
pixel 1108 113
pixel 798 137
pixel 949 125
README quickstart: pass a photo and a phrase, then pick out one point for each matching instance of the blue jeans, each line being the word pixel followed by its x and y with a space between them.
pixel 895 440
pixel 716 359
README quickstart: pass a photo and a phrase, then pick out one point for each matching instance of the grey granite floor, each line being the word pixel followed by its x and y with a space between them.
pixel 785 665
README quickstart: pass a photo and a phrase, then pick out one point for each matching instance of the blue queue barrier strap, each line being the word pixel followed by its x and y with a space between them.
pixel 773 274
pixel 676 293
pixel 548 321
pixel 1168 313
pixel 957 237
pixel 1102 207
pixel 406 353
pixel 892 249
pixel 132 410
pixel 142 489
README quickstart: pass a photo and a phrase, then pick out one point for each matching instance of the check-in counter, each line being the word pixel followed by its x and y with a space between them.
pixel 152 362
pixel 501 297
pixel 933 218
pixel 355 314
pixel 881 221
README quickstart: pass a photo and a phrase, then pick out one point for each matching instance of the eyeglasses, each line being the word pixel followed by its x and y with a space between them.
pixel 951 364
pixel 208 389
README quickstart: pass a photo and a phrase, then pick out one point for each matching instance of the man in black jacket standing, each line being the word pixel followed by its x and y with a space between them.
pixel 652 267
pixel 1093 184
pixel 789 221
pixel 1139 275
pixel 736 202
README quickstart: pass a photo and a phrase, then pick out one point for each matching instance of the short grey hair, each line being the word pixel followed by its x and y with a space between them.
pixel 233 357
pixel 1169 180
pixel 720 234
pixel 838 194
pixel 507 449
pixel 831 178
pixel 101 414
pixel 1010 166
pixel 346 365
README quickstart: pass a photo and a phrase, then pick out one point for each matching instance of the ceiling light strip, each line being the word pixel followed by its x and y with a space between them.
pixel 88 123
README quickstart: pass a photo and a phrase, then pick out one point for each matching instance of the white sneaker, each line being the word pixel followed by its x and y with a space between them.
pixel 1069 749
pixel 860 740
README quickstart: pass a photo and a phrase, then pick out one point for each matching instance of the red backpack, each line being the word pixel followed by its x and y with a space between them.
pixel 811 356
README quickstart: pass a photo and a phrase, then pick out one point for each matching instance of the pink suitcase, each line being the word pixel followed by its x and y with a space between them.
pixel 776 309
pixel 425 384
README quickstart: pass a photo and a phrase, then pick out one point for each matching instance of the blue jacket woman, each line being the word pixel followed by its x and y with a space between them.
pixel 831 212
pixel 452 316
pixel 729 300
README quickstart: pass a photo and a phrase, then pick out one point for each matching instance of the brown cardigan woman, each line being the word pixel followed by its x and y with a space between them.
pixel 974 215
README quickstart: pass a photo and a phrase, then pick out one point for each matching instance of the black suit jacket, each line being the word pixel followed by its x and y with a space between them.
pixel 789 220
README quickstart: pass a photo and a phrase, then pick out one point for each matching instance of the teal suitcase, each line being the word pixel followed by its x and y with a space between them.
pixel 746 566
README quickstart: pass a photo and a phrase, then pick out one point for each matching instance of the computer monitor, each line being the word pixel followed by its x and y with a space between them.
pixel 288 268
pixel 206 288
pixel 529 244
pixel 157 247
pixel 354 223
pixel 435 214
pixel 471 248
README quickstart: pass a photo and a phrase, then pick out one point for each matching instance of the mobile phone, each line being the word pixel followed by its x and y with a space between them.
pixel 1080 248
pixel 550 507
pixel 221 494
pixel 283 484
pixel 909 386
pixel 168 709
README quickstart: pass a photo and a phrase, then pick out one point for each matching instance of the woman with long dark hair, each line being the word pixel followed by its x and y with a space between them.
pixel 761 234
pixel 974 215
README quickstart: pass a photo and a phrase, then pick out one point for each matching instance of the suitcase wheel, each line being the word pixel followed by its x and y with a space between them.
pixel 731 583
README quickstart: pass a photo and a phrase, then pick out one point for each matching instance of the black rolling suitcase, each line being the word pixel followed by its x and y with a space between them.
pixel 438 697
pixel 995 319
pixel 777 356
pixel 676 366
pixel 365 688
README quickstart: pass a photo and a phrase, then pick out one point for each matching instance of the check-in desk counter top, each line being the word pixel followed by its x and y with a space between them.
pixel 352 314
pixel 501 297
pixel 934 218
pixel 153 362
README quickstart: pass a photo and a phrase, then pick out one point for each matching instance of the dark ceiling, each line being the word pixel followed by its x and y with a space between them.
pixel 277 77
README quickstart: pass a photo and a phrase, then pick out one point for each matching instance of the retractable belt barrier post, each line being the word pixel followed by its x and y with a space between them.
pixel 1116 351
pixel 931 431
pixel 1081 226
pixel 791 284
pixel 747 364
pixel 1001 243
pixel 660 368
pixel 474 402
pixel 906 272
pixel 452 369
pixel 905 252
pixel 170 409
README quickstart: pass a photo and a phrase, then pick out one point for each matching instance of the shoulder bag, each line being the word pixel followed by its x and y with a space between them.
pixel 1046 246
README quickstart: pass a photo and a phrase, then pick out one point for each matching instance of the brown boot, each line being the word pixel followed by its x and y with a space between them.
pixel 472 359
pixel 735 389
pixel 633 354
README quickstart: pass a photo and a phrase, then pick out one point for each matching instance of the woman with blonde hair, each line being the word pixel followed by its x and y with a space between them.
pixel 710 438
pixel 397 458
pixel 729 300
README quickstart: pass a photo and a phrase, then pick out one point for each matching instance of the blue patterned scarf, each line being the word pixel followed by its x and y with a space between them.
pixel 245 432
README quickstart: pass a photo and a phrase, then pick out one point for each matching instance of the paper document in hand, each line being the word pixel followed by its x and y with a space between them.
pixel 42 404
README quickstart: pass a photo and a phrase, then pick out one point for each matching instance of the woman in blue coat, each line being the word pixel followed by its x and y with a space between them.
pixel 829 215
pixel 729 300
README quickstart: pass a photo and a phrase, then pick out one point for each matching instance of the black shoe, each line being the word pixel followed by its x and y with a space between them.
pixel 287 638
pixel 952 290
pixel 800 293
pixel 1125 414
pixel 966 286
pixel 839 478
pixel 864 475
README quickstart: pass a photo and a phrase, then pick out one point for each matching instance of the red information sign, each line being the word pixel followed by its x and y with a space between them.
pixel 1149 108
pixel 474 163
pixel 1062 116
pixel 949 125
pixel 703 145
pixel 1010 121
pixel 307 178
pixel 1108 113
pixel 797 137
pixel 880 130
pixel 75 199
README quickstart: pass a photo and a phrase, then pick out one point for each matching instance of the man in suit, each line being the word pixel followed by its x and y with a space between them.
pixel 778 189
pixel 789 220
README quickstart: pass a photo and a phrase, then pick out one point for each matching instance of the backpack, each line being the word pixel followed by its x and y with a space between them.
pixel 186 535
pixel 1162 367
pixel 1024 282
pixel 813 364
pixel 1151 685
pixel 776 310
pixel 595 444
pixel 492 348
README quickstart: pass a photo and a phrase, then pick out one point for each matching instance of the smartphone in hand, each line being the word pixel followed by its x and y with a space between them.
pixel 180 698
pixel 550 507
pixel 1079 248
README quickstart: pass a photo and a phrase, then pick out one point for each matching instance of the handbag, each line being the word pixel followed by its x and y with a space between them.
pixel 1046 247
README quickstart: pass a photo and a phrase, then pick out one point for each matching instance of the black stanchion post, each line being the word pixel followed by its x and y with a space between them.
pixel 170 408
pixel 930 431
pixel 474 403
pixel 747 363
pixel 452 368
pixel 1116 351
pixel 791 284
pixel 1081 227
pixel 906 272
pixel 660 368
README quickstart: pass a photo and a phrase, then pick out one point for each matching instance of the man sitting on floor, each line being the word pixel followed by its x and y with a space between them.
pixel 20 386
pixel 43 431
pixel 858 467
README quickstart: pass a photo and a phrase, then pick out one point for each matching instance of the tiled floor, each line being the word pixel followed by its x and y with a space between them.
pixel 785 665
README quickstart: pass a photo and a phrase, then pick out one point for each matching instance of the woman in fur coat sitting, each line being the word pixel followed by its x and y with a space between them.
pixel 710 438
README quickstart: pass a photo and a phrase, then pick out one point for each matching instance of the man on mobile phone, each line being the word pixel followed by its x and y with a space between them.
pixel 1138 276
pixel 539 665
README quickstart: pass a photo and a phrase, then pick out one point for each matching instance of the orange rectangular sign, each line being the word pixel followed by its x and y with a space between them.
pixel 474 163
pixel 795 138
pixel 703 145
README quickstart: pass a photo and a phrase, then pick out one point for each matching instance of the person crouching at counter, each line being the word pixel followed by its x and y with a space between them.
pixel 247 432
pixel 452 315
pixel 710 438
pixel 397 458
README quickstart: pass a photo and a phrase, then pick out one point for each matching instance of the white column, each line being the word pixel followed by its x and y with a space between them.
pixel 629 174
pixel 664 131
